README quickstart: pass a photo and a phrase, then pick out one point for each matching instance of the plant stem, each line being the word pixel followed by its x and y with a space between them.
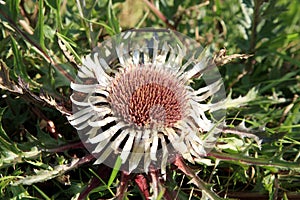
pixel 142 184
pixel 195 179
pixel 159 14
pixel 125 177
pixel 76 145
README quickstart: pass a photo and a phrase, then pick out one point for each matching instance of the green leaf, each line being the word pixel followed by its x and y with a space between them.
pixel 14 8
pixel 20 193
pixel 109 29
pixel 3 43
pixel 41 193
pixel 100 188
pixel 281 80
pixel 56 6
pixel 115 171
pixel 268 182
pixel 20 69
pixel 40 25
pixel 4 139
pixel 112 20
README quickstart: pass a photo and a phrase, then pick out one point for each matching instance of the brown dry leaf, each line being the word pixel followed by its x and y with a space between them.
pixel 221 58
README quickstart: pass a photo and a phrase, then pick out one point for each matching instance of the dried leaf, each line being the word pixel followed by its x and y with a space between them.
pixel 221 58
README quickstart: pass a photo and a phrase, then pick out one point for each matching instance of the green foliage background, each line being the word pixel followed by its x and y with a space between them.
pixel 39 159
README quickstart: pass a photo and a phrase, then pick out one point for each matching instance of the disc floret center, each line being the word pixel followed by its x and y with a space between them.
pixel 146 97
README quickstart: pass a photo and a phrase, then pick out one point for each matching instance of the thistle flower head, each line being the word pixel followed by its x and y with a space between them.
pixel 134 99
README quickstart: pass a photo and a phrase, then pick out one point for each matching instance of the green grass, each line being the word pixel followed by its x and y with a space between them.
pixel 42 41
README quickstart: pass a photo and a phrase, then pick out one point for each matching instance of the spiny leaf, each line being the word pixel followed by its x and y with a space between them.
pixel 236 103
pixel 65 45
pixel 11 158
pixel 44 175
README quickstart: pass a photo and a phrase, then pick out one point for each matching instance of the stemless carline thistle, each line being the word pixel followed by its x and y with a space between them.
pixel 133 99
